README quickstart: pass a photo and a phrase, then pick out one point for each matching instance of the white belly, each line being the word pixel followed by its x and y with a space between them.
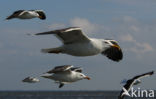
pixel 29 15
pixel 63 78
pixel 26 17
pixel 82 49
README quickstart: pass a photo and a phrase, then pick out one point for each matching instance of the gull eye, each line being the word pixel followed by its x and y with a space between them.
pixel 114 43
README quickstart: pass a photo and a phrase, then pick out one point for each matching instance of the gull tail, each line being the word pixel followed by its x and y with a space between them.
pixel 10 17
pixel 51 50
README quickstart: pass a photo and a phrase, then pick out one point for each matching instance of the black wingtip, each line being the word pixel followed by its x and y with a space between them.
pixel 42 16
pixel 9 17
pixel 152 72
pixel 114 54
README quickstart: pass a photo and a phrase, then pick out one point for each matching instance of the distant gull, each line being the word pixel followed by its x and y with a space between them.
pixel 31 80
pixel 131 82
pixel 65 74
pixel 76 43
pixel 27 14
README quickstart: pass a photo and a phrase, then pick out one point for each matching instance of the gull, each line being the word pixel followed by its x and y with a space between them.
pixel 130 83
pixel 27 14
pixel 76 43
pixel 30 80
pixel 65 74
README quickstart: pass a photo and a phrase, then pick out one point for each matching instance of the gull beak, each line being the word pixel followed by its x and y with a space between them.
pixel 87 77
pixel 116 46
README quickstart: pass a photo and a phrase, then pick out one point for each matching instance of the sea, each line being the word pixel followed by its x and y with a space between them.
pixel 62 95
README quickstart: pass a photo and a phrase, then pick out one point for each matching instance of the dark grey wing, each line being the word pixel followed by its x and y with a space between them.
pixel 130 82
pixel 121 96
pixel 144 75
pixel 127 86
pixel 68 35
pixel 41 14
pixel 15 14
pixel 25 79
pixel 76 69
pixel 60 69
pixel 113 53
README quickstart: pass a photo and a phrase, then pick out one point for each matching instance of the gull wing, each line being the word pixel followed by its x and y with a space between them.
pixel 15 14
pixel 68 35
pixel 58 69
pixel 144 75
pixel 113 53
pixel 76 69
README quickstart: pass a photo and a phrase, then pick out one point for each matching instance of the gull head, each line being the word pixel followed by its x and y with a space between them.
pixel 81 76
pixel 111 43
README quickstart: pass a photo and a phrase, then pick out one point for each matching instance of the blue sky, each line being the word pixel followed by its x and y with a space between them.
pixel 131 22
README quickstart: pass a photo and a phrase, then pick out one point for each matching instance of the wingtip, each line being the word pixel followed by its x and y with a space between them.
pixel 152 72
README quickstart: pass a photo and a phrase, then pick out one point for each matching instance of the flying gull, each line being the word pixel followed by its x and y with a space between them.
pixel 27 14
pixel 30 80
pixel 76 43
pixel 131 82
pixel 65 74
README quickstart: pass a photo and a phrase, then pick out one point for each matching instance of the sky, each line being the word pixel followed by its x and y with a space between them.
pixel 130 22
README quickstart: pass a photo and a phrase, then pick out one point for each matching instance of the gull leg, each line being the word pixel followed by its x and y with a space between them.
pixel 61 85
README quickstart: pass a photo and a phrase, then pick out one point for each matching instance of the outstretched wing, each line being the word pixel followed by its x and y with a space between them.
pixel 144 75
pixel 60 69
pixel 68 35
pixel 76 69
pixel 113 53
pixel 15 14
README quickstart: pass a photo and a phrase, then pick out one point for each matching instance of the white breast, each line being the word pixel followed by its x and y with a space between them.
pixel 64 77
pixel 28 15
pixel 84 49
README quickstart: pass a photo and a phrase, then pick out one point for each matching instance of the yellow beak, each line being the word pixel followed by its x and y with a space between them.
pixel 87 78
pixel 116 46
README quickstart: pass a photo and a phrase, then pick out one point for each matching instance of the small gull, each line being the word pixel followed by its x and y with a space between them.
pixel 65 74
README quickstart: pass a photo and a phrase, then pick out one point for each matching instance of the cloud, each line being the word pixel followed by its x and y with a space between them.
pixel 129 19
pixel 134 28
pixel 83 23
pixel 137 47
pixel 142 48
pixel 127 38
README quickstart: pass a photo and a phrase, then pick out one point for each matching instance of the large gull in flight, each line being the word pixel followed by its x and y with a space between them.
pixel 76 43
